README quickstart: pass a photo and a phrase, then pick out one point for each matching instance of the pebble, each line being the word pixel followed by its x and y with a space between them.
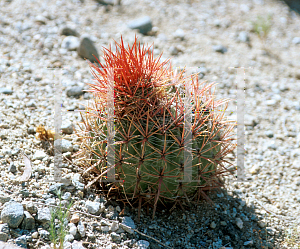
pixel 12 168
pixel 73 230
pixel 12 214
pixel 86 49
pixel 4 197
pixel 144 24
pixel 66 146
pixel 71 43
pixel 115 237
pixel 75 91
pixel 5 90
pixel 44 234
pixel 22 241
pixel 31 130
pixel 67 127
pixel 173 50
pixel 3 236
pixel 248 243
pixel 239 223
pixel 67 31
pixel 31 208
pixel 254 169
pixel 269 133
pixel 81 229
pixel 261 224
pixel 69 238
pixel 31 103
pixel 35 235
pixel 128 223
pixel 43 216
pixel 213 225
pixel 93 207
pixel 220 49
pixel 296 40
pixel 75 218
pixel 77 245
pixel 39 155
pixel 142 244
pixel 179 34
pixel 243 37
pixel 114 226
pixel 28 221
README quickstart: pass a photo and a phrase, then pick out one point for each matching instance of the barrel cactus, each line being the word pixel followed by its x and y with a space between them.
pixel 151 143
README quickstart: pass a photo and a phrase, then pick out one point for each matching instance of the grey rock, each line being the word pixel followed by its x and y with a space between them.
pixel 76 181
pixel 75 91
pixel 12 214
pixel 93 207
pixel 31 103
pixel 56 187
pixel 261 224
pixel 67 196
pixel 269 133
pixel 213 225
pixel 142 244
pixel 22 241
pixel 73 229
pixel 77 245
pixel 3 236
pixel 44 216
pixel 249 120
pixel 115 237
pixel 70 43
pixel 296 40
pixel 4 228
pixel 144 24
pixel 67 127
pixel 31 208
pixel 44 234
pixel 39 155
pixel 239 223
pixel 5 90
pixel 69 238
pixel 28 221
pixel 114 226
pixel 66 146
pixel 243 37
pixel 220 49
pixel 173 50
pixel 87 49
pixel 81 229
pixel 67 31
pixel 127 224
pixel 179 34
pixel 4 197
pixel 31 130
pixel 12 168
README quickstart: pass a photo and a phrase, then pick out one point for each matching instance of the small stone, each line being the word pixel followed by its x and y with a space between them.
pixel 39 155
pixel 81 229
pixel 5 90
pixel 67 127
pixel 4 197
pixel 249 120
pixel 261 224
pixel 77 245
pixel 12 168
pixel 12 214
pixel 243 37
pixel 248 243
pixel 213 225
pixel 31 208
pixel 70 43
pixel 87 50
pixel 114 226
pixel 66 146
pixel 142 244
pixel 223 223
pixel 40 19
pixel 35 235
pixel 254 169
pixel 127 224
pixel 3 236
pixel 296 40
pixel 75 218
pixel 220 49
pixel 75 91
pixel 93 207
pixel 104 228
pixel 115 237
pixel 179 33
pixel 144 24
pixel 31 103
pixel 53 189
pixel 31 130
pixel 4 228
pixel 67 31
pixel 239 223
pixel 28 221
pixel 69 238
pixel 73 230
pixel 269 133
pixel 173 50
pixel 66 196
pixel 22 241
pixel 43 216
pixel 67 245
pixel 45 235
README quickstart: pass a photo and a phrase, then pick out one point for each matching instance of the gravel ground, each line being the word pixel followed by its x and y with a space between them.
pixel 262 212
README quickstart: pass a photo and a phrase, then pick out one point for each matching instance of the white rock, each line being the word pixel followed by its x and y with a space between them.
pixel 39 155
pixel 70 43
pixel 239 223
